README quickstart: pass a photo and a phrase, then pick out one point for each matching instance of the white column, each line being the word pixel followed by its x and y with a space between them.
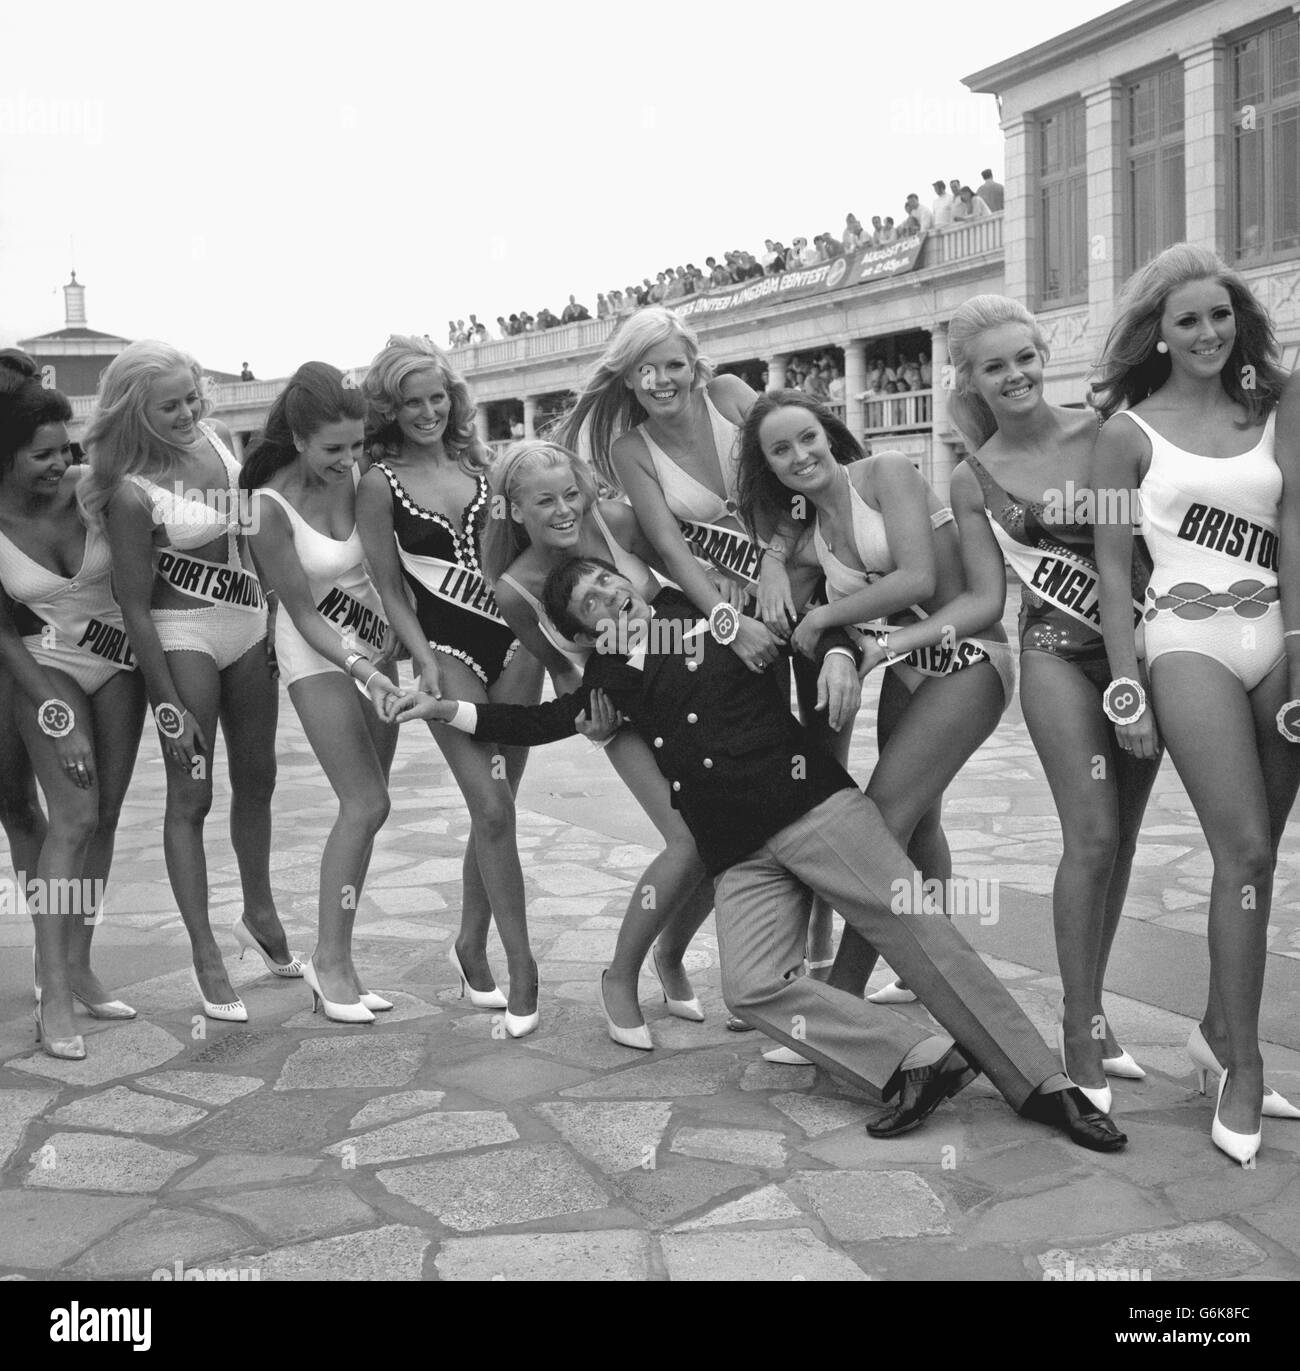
pixel 481 423
pixel 776 365
pixel 530 416
pixel 1104 173
pixel 1205 144
pixel 1019 217
pixel 855 382
pixel 941 456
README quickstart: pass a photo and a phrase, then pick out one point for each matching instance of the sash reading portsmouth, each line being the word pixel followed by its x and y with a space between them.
pixel 215 582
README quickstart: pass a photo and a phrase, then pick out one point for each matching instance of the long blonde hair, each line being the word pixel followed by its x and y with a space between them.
pixel 966 407
pixel 606 409
pixel 403 356
pixel 504 538
pixel 120 440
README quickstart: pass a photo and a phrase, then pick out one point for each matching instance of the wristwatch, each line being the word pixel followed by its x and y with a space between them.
pixel 724 624
pixel 1124 701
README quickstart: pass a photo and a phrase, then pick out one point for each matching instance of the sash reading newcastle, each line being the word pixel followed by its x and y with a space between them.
pixel 455 584
pixel 351 618
pixel 727 549
pixel 215 582
pixel 1057 575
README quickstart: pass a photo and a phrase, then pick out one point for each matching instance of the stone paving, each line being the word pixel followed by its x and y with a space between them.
pixel 430 1146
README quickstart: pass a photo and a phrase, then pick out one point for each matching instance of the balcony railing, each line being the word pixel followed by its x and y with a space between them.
pixel 970 238
pixel 225 395
pixel 912 409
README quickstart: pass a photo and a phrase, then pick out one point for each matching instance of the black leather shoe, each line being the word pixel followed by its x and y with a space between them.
pixel 1075 1115
pixel 735 1025
pixel 922 1092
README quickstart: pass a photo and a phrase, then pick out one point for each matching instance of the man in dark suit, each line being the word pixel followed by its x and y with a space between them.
pixel 777 819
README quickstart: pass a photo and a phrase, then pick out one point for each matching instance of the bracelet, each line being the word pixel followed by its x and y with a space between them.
pixel 775 555
pixel 1292 633
pixel 1288 721
pixel 724 624
pixel 56 718
pixel 371 677
pixel 351 660
pixel 1124 701
pixel 882 642
pixel 169 719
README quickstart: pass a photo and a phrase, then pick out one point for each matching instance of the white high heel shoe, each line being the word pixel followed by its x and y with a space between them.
pixel 1102 1098
pixel 105 1009
pixel 480 999
pixel 785 1056
pixel 1123 1066
pixel 231 1012
pixel 625 1037
pixel 1203 1060
pixel 682 1009
pixel 337 1013
pixel 291 969
pixel 893 993
pixel 375 1003
pixel 1241 1147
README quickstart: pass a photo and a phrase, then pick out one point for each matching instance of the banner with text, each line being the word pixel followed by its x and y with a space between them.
pixel 867 264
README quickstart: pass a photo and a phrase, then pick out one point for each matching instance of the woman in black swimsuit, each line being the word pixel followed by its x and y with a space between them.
pixel 421 509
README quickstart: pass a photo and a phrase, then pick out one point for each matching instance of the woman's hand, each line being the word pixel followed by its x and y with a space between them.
pixel 187 745
pixel 872 656
pixel 755 645
pixel 600 720
pixel 76 758
pixel 392 650
pixel 808 632
pixel 418 704
pixel 429 681
pixel 1142 738
pixel 775 602
pixel 384 695
pixel 732 591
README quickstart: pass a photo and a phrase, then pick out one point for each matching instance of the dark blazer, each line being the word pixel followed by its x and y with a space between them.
pixel 740 765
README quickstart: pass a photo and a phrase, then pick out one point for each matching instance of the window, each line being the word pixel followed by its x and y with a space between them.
pixel 1155 212
pixel 1265 170
pixel 1062 207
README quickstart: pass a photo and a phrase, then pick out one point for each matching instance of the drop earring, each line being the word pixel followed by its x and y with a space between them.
pixel 1162 346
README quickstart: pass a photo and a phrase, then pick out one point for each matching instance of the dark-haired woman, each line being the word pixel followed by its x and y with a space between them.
pixel 1189 386
pixel 167 486
pixel 421 509
pixel 918 597
pixel 78 702
pixel 329 627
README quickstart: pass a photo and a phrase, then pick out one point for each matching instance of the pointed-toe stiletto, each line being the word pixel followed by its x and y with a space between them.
pixel 1203 1060
pixel 1123 1067
pixel 1100 1099
pixel 336 1013
pixel 625 1037
pixel 292 969
pixel 231 1012
pixel 376 1004
pixel 108 1009
pixel 785 1056
pixel 521 1025
pixel 680 1009
pixel 1241 1147
pixel 893 993
pixel 62 1049
pixel 480 999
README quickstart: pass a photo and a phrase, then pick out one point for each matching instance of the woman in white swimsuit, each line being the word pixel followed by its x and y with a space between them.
pixel 165 484
pixel 78 701
pixel 547 509
pixel 303 472
pixel 1189 386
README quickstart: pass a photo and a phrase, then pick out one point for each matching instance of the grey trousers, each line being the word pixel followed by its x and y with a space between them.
pixel 842 851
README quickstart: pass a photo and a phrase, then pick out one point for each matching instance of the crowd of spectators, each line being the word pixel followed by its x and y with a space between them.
pixel 821 375
pixel 953 203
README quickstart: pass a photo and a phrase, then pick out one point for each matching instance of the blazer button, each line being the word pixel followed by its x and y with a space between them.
pixel 692 718
pixel 677 785
pixel 708 762
pixel 659 742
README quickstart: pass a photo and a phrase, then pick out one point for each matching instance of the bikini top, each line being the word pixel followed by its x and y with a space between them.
pixel 1028 522
pixel 685 496
pixel 189 520
pixel 871 543
pixel 628 564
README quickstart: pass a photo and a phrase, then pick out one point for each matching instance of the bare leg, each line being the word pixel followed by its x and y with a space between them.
pixel 21 815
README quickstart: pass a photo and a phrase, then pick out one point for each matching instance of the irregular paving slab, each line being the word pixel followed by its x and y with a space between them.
pixel 159 1240
pixel 859 1206
pixel 399 1106
pixel 818 1114
pixel 42 1232
pixel 393 1253
pixel 506 1075
pixel 670 1192
pixel 208 1087
pixel 695 1073
pixel 17 1109
pixel 1279 1219
pixel 268 1123
pixel 780 1255
pixel 761 1075
pixel 613 1254
pixel 563 878
pixel 743 1146
pixel 583 946
pixel 245 1169
pixel 291 1213
pixel 424 1135
pixel 760 1206
pixel 237 1046
pixel 93 1161
pixel 1098 1205
pixel 336 1063
pixel 509 1185
pixel 850 1149
pixel 126 1050
pixel 591 1049
pixel 121 1110
pixel 615 1136
pixel 1195 1251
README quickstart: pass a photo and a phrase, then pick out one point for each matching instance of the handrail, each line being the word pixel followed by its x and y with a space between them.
pixel 909 409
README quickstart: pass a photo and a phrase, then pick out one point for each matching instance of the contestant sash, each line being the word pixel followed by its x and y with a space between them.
pixel 728 549
pixel 353 619
pixel 216 582
pixel 1234 537
pixel 453 583
pixel 81 633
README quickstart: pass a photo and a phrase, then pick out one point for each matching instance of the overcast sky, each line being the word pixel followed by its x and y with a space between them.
pixel 276 182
